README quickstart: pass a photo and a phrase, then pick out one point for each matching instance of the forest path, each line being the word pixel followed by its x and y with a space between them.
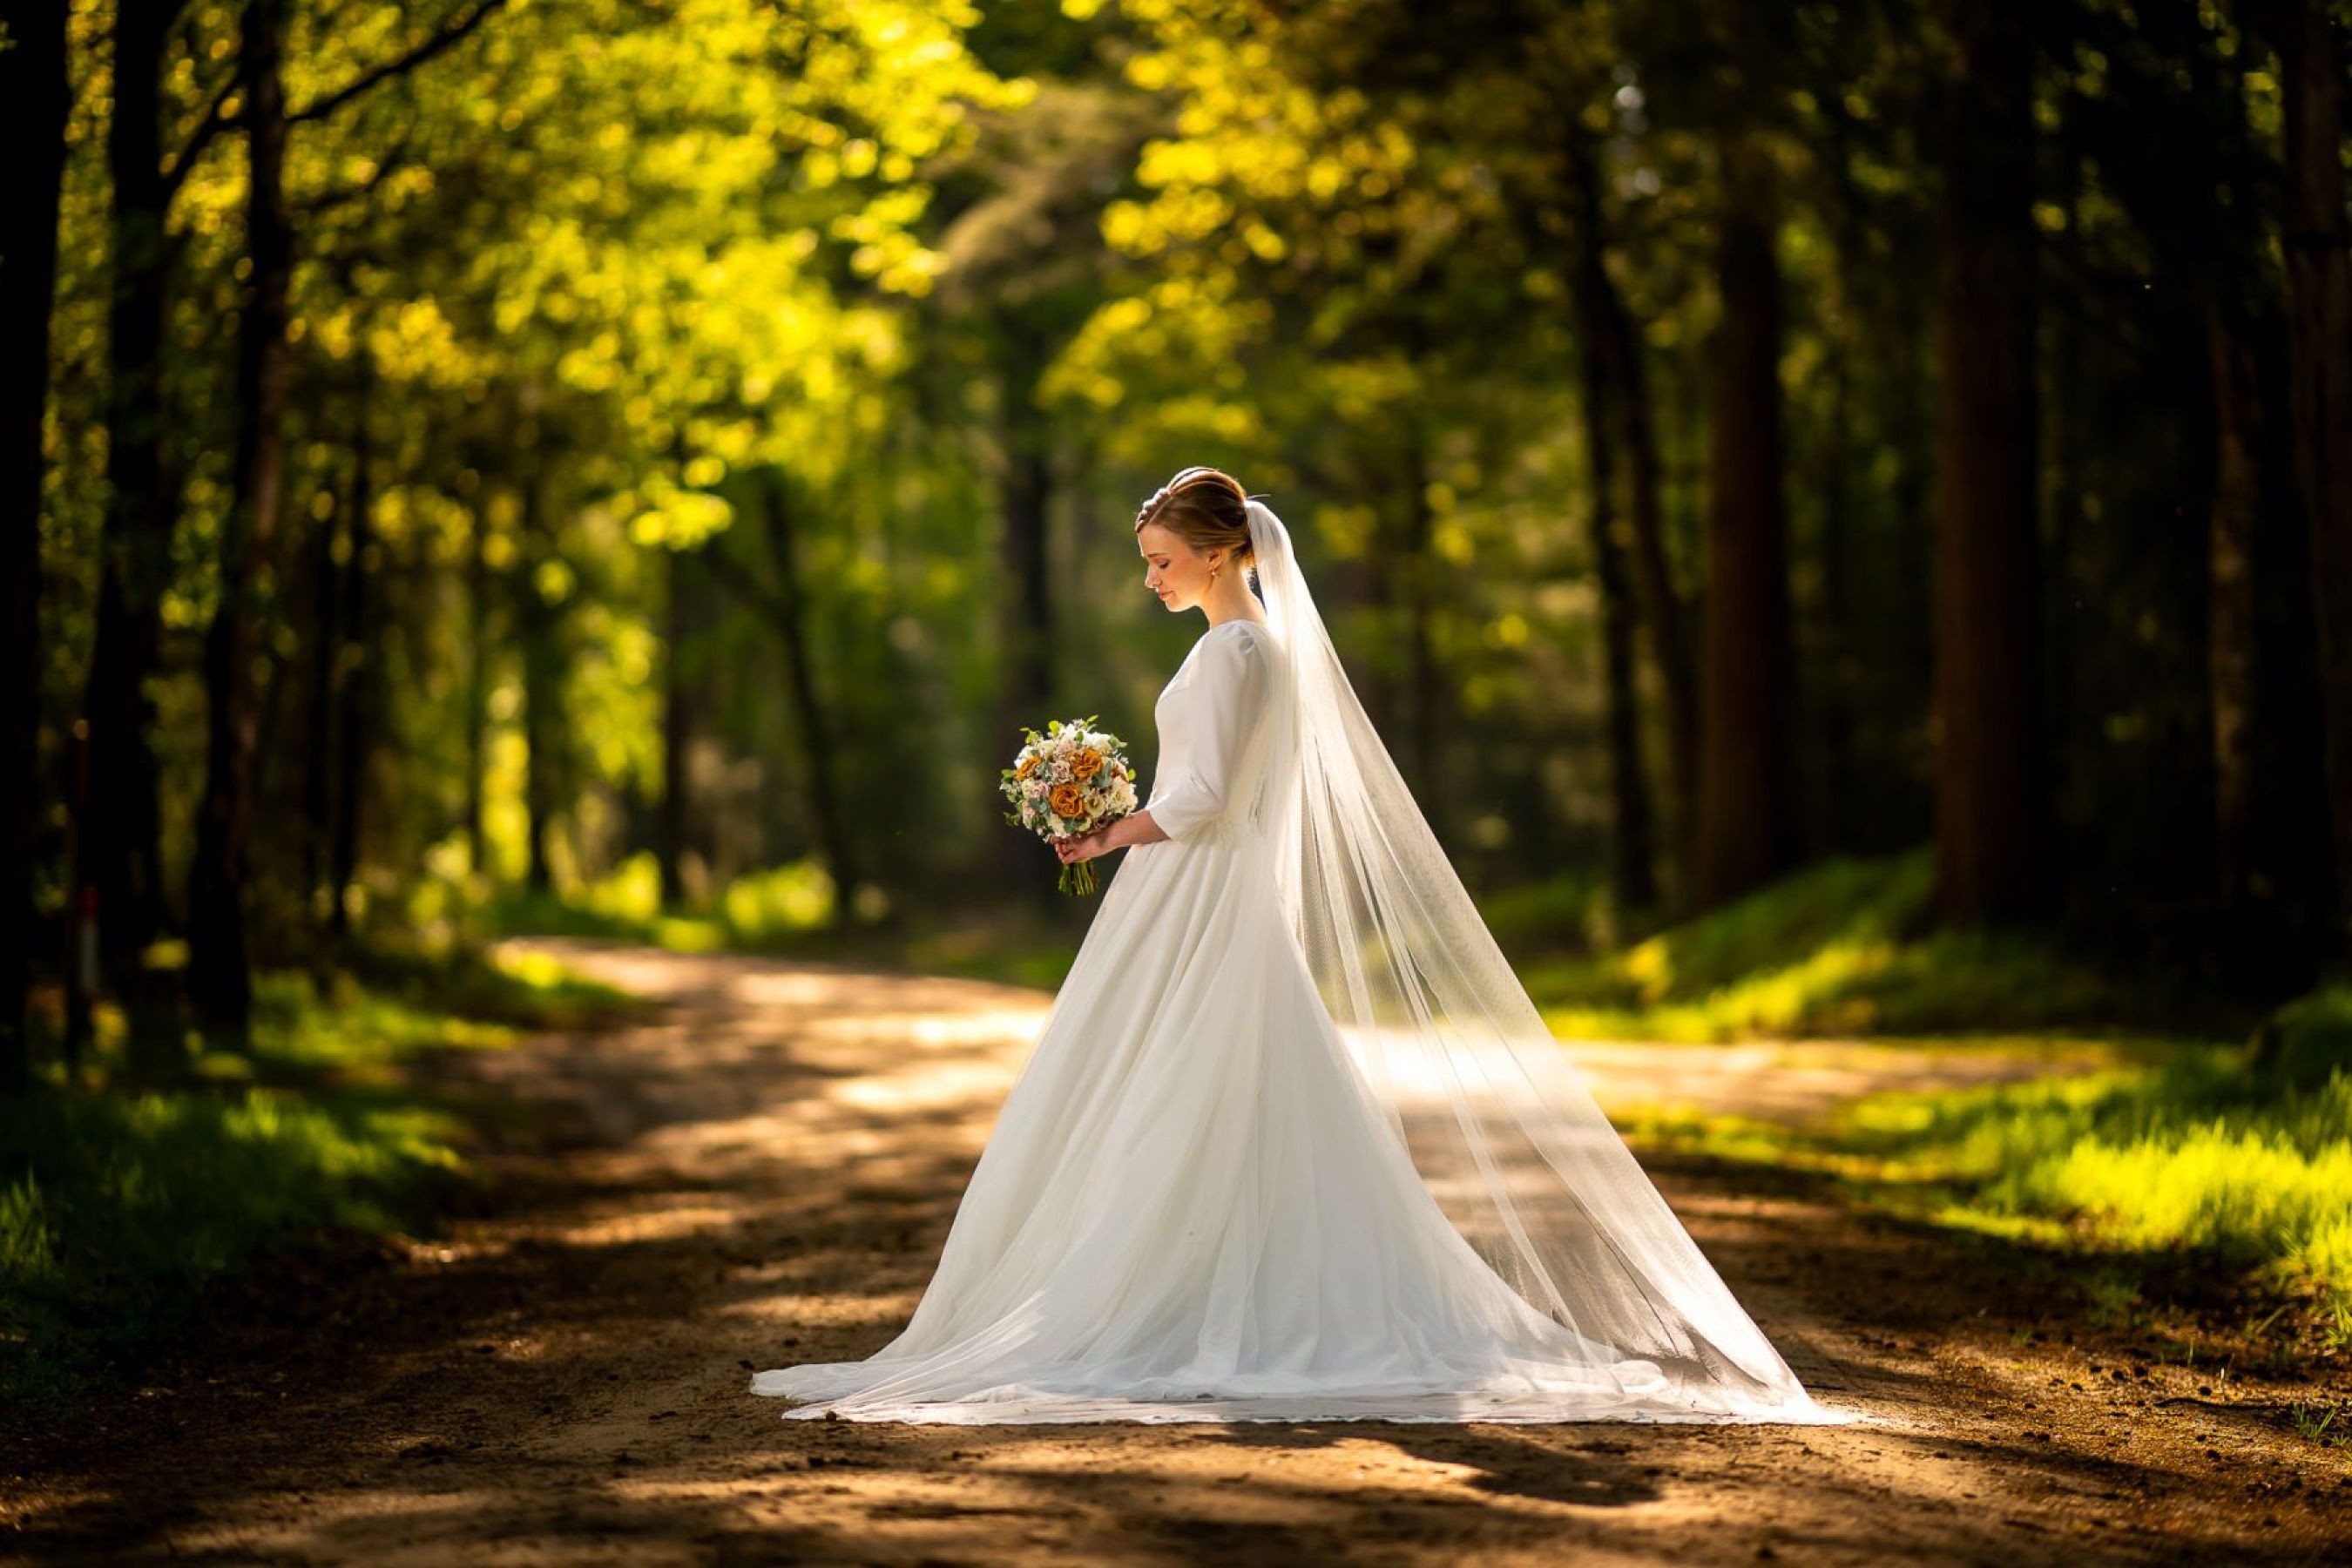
pixel 764 1173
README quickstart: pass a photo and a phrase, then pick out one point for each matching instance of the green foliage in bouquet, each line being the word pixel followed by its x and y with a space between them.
pixel 1067 782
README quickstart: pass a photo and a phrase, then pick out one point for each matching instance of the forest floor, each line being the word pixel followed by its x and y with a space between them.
pixel 763 1173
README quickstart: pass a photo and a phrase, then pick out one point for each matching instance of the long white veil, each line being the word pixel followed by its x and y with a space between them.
pixel 1496 1117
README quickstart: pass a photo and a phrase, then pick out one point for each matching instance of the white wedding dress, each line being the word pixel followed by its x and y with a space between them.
pixel 1199 1203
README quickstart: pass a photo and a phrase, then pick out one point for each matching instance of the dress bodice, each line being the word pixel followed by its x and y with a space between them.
pixel 1211 717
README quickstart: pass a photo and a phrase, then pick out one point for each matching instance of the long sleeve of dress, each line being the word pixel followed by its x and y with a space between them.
pixel 1225 700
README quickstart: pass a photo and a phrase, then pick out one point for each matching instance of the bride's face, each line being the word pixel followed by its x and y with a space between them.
pixel 1171 568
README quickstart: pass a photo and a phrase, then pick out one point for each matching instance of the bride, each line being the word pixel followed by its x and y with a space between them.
pixel 1295 1143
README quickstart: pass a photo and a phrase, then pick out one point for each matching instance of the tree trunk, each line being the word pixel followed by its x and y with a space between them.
pixel 1026 608
pixel 1421 675
pixel 1632 848
pixel 1610 338
pixel 1665 605
pixel 1843 806
pixel 542 679
pixel 1841 812
pixel 118 839
pixel 2231 629
pixel 679 718
pixel 2068 431
pixel 35 88
pixel 1993 838
pixel 318 731
pixel 816 719
pixel 1746 802
pixel 219 966
pixel 1379 687
pixel 2318 248
pixel 1029 619
pixel 478 589
pixel 355 674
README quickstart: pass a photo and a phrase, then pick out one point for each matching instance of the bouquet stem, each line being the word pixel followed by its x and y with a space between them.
pixel 1077 880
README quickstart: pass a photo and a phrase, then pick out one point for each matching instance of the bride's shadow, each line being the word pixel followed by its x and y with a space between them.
pixel 1590 1469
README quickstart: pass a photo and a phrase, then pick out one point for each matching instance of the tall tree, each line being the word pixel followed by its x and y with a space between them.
pixel 2317 240
pixel 1832 691
pixel 219 974
pixel 2204 204
pixel 219 960
pixel 1025 606
pixel 481 583
pixel 1617 381
pixel 2233 628
pixel 117 840
pixel 783 601
pixel 325 638
pixel 1023 275
pixel 684 568
pixel 1632 849
pixel 1414 583
pixel 539 626
pixel 1993 833
pixel 356 688
pixel 34 88
pixel 1748 825
pixel 789 604
pixel 1633 845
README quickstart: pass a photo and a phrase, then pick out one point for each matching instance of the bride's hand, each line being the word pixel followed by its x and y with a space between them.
pixel 1085 847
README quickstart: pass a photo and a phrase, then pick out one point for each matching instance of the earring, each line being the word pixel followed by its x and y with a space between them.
pixel 1212 572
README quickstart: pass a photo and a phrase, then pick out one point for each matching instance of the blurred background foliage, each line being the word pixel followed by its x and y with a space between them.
pixel 1838 509
pixel 694 435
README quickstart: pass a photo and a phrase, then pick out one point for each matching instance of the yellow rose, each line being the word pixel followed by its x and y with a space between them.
pixel 1087 765
pixel 1066 799
pixel 1028 765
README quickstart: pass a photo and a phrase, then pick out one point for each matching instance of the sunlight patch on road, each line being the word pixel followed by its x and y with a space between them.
pixel 794 988
pixel 657 1225
pixel 980 1027
pixel 934 1088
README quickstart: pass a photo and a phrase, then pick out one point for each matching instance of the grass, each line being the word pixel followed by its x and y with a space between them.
pixel 785 911
pixel 2331 1426
pixel 122 1200
pixel 2236 1159
pixel 2308 1039
pixel 1016 951
pixel 2198 1156
pixel 786 907
pixel 116 1210
pixel 477 986
pixel 1844 947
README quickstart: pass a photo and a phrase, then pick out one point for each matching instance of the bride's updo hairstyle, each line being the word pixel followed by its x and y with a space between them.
pixel 1206 509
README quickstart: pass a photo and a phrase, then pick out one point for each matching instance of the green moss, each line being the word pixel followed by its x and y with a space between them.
pixel 2197 1154
pixel 764 910
pixel 1842 948
pixel 2309 1039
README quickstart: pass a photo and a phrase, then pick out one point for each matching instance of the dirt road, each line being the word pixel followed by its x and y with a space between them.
pixel 764 1173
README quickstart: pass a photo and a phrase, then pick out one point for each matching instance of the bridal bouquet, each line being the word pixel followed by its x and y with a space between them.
pixel 1067 783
